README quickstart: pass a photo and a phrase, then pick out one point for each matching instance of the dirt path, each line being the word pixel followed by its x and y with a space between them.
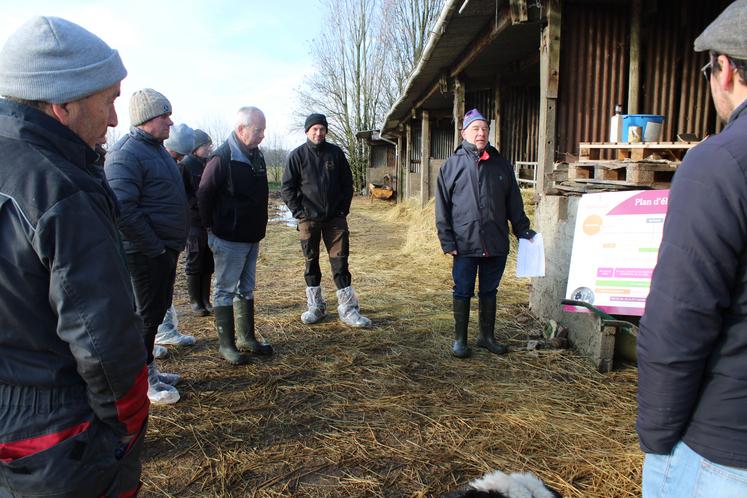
pixel 386 411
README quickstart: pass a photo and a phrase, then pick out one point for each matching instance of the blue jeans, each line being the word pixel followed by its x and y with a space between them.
pixel 685 473
pixel 466 269
pixel 235 269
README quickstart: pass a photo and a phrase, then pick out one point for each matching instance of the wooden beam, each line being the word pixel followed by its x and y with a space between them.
pixel 400 159
pixel 421 103
pixel 483 40
pixel 549 76
pixel 634 68
pixel 518 11
pixel 458 113
pixel 408 153
pixel 425 162
pixel 497 114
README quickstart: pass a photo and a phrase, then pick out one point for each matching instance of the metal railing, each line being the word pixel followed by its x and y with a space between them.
pixel 519 165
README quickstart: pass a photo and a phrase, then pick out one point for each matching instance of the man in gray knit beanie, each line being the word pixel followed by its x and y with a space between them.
pixel 154 223
pixel 68 334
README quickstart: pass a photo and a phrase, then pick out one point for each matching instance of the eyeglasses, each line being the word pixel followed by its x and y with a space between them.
pixel 706 70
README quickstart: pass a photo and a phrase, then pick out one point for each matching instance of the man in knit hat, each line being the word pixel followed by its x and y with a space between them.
pixel 476 197
pixel 198 264
pixel 233 198
pixel 692 341
pixel 180 143
pixel 153 220
pixel 72 363
pixel 318 189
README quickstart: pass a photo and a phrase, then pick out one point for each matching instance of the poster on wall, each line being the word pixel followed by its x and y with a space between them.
pixel 615 245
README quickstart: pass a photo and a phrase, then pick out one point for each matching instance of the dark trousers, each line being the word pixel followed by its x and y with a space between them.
pixel 467 268
pixel 153 283
pixel 92 462
pixel 337 240
pixel 199 257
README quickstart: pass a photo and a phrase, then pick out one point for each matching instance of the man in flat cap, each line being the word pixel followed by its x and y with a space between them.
pixel 477 196
pixel 153 221
pixel 318 189
pixel 73 380
pixel 198 264
pixel 233 198
pixel 692 341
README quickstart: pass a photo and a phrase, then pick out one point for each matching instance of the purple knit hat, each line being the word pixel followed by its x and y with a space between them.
pixel 473 115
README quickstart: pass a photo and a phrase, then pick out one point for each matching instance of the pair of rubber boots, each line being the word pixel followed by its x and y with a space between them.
pixel 237 336
pixel 348 307
pixel 198 286
pixel 486 338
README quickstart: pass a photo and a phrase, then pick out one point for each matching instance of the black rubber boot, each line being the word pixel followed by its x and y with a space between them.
pixel 227 336
pixel 195 294
pixel 205 279
pixel 487 326
pixel 246 340
pixel 461 322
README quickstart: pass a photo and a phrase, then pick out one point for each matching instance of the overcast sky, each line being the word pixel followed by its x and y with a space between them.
pixel 208 57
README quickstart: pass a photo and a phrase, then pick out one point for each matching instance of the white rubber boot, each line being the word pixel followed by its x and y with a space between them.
pixel 317 307
pixel 349 309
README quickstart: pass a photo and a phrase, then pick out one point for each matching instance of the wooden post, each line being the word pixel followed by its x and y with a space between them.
pixel 549 75
pixel 458 111
pixel 425 159
pixel 408 154
pixel 634 68
pixel 497 115
pixel 400 158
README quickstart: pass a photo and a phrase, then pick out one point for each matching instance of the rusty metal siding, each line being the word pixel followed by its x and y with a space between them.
pixel 483 100
pixel 442 142
pixel 415 153
pixel 519 123
pixel 593 71
pixel 674 86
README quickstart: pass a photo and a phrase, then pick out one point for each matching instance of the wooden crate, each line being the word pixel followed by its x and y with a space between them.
pixel 671 151
pixel 642 173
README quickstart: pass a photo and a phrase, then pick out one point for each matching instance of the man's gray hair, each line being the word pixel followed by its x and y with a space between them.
pixel 246 116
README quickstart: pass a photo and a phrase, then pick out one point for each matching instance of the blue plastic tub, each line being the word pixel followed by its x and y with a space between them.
pixel 643 121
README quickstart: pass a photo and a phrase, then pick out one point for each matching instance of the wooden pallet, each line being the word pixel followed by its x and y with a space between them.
pixel 642 173
pixel 672 151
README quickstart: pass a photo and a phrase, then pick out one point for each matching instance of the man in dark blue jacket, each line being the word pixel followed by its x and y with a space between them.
pixel 154 223
pixel 692 343
pixel 73 381
pixel 477 196
pixel 232 198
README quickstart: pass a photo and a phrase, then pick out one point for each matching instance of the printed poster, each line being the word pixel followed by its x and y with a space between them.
pixel 615 245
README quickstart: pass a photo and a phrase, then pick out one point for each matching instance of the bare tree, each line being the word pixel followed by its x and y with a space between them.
pixel 275 155
pixel 217 127
pixel 363 56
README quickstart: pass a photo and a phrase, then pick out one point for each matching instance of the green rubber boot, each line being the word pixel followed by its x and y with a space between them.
pixel 461 322
pixel 227 336
pixel 486 338
pixel 246 340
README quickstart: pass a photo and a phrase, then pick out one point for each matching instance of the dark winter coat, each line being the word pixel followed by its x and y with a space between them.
pixel 68 329
pixel 317 182
pixel 475 198
pixel 193 168
pixel 233 195
pixel 150 190
pixel 692 342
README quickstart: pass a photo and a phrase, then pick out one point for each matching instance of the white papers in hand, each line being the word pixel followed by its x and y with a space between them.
pixel 530 261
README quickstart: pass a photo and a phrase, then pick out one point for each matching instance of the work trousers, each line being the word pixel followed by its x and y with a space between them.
pixel 199 258
pixel 153 284
pixel 66 451
pixel 336 238
pixel 467 268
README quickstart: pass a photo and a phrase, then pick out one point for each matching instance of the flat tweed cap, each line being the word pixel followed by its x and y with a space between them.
pixel 53 60
pixel 727 34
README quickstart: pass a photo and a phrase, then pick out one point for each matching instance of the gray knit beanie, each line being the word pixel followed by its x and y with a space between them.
pixel 201 138
pixel 147 104
pixel 181 139
pixel 53 60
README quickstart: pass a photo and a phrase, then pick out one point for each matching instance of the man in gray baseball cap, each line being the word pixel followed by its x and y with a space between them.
pixel 692 341
pixel 73 379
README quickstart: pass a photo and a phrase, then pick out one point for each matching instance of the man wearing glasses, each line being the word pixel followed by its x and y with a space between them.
pixel 692 343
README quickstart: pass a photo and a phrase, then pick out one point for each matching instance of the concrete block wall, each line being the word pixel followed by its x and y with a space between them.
pixel 555 219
